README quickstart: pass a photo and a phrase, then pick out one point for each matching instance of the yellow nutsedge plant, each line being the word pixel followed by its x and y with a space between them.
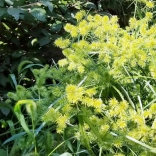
pixel 110 42
pixel 111 68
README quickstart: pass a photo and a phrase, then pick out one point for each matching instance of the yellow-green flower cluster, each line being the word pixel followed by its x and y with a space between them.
pixel 55 116
pixel 82 96
pixel 120 117
pixel 103 52
pixel 61 123
pixel 62 43
pixel 80 15
pixel 119 49
pixel 131 122
pixel 149 4
pixel 114 116
pixel 74 93
pixel 72 30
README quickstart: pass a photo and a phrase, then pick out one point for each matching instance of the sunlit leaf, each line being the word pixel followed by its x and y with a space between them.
pixel 56 27
pixel 66 154
pixel 23 63
pixel 6 26
pixel 47 4
pixel 34 41
pixel 39 14
pixel 14 12
pixel 90 5
pixel 13 78
pixel 9 2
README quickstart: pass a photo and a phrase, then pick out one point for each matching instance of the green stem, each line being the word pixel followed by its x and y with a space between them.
pixel 59 146
pixel 84 136
pixel 56 148
pixel 94 130
pixel 135 9
pixel 100 151
pixel 33 126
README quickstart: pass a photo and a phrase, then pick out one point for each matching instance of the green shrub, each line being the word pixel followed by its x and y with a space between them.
pixel 28 29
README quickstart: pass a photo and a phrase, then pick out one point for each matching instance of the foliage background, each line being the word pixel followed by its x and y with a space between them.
pixel 28 29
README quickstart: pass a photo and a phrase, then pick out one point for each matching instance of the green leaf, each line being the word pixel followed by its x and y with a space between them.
pixel 56 27
pixel 55 154
pixel 13 78
pixel 6 26
pixel 150 148
pixel 3 80
pixel 44 40
pixel 105 14
pixel 20 66
pixel 55 36
pixel 20 116
pixel 22 76
pixel 19 3
pixel 14 12
pixel 3 152
pixel 7 59
pixel 2 68
pixel 47 4
pixel 63 9
pixel 90 5
pixel 5 110
pixel 14 137
pixel 2 3
pixel 6 105
pixel 66 154
pixel 11 126
pixel 39 14
pixel 17 54
pixel 69 18
pixel 9 2
pixel 31 65
pixel 77 5
pixel 1 43
pixel 46 33
pixel 57 16
pixel 68 143
pixel 34 41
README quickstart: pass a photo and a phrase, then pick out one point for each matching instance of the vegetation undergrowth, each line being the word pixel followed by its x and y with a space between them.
pixel 99 100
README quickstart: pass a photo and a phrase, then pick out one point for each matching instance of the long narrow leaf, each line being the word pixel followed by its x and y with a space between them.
pixel 17 110
pixel 130 101
pixel 13 78
pixel 151 149
pixel 14 137
pixel 31 65
pixel 11 125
